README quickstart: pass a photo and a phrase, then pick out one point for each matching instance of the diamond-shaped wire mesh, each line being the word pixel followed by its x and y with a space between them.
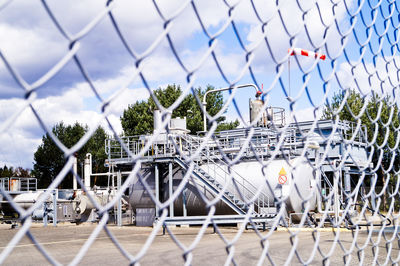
pixel 318 156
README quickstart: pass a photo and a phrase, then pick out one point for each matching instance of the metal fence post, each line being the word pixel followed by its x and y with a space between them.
pixel 119 208
pixel 157 187
pixel 55 196
pixel 170 181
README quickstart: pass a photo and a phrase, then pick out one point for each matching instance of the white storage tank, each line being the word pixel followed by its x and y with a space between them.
pixel 256 107
pixel 24 200
pixel 85 205
pixel 293 182
pixel 140 198
pixel 278 180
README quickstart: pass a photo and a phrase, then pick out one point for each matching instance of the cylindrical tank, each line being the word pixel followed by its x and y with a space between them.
pixel 14 185
pixel 87 170
pixel 85 205
pixel 24 200
pixel 140 198
pixel 278 180
pixel 157 123
pixel 256 107
pixel 293 182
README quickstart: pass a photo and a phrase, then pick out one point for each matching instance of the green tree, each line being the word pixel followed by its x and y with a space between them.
pixel 353 104
pixel 227 125
pixel 6 172
pixel 49 159
pixel 137 119
pixel 375 105
pixel 17 172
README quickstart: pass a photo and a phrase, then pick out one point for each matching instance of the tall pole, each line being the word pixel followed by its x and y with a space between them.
pixel 204 113
pixel 119 207
pixel 336 196
pixel 157 186
pixel 289 75
pixel 171 205
pixel 88 170
pixel 74 182
pixel 55 194
pixel 347 182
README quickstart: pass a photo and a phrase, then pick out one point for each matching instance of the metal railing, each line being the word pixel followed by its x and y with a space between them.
pixel 229 142
pixel 18 184
pixel 221 171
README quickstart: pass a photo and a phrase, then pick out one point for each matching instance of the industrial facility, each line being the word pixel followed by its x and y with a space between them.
pixel 273 172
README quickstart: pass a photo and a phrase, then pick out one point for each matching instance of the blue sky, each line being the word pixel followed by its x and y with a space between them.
pixel 32 44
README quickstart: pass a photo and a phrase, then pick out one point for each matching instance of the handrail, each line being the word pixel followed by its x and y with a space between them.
pixel 229 139
pixel 18 184
pixel 189 139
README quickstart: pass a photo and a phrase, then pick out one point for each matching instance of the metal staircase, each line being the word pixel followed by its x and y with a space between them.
pixel 229 198
pixel 234 195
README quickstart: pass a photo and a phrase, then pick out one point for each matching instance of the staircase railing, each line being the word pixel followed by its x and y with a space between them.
pixel 247 190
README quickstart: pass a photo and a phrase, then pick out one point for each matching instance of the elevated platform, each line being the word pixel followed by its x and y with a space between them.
pixel 321 140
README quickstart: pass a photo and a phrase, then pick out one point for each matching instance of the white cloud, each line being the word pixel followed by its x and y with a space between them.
pixel 17 148
pixel 24 46
pixel 380 78
pixel 34 44
pixel 21 139
pixel 295 22
pixel 306 114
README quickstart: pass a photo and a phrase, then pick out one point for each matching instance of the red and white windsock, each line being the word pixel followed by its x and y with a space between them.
pixel 298 51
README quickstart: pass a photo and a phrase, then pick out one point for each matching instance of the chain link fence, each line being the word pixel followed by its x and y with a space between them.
pixel 336 169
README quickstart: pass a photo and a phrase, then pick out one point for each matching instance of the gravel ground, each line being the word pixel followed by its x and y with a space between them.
pixel 65 241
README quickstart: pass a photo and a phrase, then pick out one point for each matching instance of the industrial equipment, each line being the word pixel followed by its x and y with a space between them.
pixel 281 166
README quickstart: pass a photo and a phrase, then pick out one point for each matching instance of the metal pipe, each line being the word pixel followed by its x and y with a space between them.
pixel 88 170
pixel 222 89
pixel 336 196
pixel 55 196
pixel 107 174
pixel 347 182
pixel 74 182
pixel 157 185
pixel 171 206
pixel 119 207
pixel 34 201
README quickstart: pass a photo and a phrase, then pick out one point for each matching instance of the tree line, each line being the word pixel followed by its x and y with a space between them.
pixel 380 118
pixel 14 172
pixel 137 119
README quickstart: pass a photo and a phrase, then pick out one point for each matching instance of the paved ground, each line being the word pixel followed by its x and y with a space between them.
pixel 65 241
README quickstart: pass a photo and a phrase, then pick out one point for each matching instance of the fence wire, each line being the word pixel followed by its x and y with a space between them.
pixel 339 170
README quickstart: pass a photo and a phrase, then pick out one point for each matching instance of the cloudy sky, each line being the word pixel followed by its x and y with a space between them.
pixel 172 43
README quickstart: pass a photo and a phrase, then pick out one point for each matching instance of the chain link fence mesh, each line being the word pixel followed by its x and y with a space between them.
pixel 339 172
